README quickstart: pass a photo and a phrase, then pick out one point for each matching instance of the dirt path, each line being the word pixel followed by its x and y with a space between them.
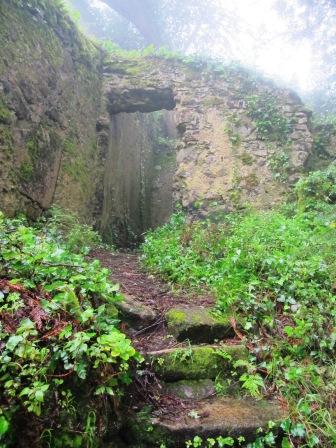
pixel 127 271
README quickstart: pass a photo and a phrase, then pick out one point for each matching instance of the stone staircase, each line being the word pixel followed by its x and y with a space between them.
pixel 199 371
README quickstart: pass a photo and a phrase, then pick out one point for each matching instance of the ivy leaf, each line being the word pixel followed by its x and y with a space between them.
pixel 80 369
pixel 298 430
pixel 13 341
pixel 4 425
pixel 286 443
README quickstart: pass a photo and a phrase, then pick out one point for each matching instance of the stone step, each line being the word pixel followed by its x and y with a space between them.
pixel 134 313
pixel 209 418
pixel 195 362
pixel 197 324
pixel 191 389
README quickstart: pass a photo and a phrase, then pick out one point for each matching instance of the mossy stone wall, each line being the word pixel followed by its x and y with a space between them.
pixel 50 95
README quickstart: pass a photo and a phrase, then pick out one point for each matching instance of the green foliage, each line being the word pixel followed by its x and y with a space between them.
pixel 112 48
pixel 276 271
pixel 79 237
pixel 61 348
pixel 6 115
pixel 317 186
pixel 294 434
pixel 270 122
pixel 279 164
pixel 246 158
pixel 233 122
pixel 72 13
pixel 26 171
pixel 322 136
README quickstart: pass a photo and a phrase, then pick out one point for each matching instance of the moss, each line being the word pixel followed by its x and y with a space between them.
pixel 26 171
pixel 41 40
pixel 212 101
pixel 42 144
pixel 140 428
pixel 197 324
pixel 176 316
pixel 33 148
pixel 203 362
pixel 6 139
pixel 69 146
pixel 246 158
pixel 251 180
pixel 77 170
pixel 6 115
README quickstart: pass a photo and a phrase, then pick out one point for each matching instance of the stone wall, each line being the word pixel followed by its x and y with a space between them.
pixel 228 154
pixel 50 95
pixel 84 130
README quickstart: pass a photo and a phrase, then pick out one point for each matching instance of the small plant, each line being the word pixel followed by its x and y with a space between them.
pixel 193 414
pixel 279 164
pixel 184 354
pixel 317 186
pixel 79 237
pixel 221 386
pixel 270 123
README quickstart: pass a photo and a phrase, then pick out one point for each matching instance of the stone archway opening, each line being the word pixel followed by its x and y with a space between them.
pixel 140 164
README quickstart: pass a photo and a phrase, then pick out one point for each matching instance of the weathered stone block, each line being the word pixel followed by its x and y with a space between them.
pixel 198 325
pixel 135 313
pixel 217 417
pixel 191 389
pixel 196 362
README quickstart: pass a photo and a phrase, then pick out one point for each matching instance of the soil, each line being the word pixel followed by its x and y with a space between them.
pixel 126 270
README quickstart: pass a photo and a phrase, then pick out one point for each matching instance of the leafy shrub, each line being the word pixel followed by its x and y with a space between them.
pixel 245 256
pixel 275 271
pixel 317 186
pixel 60 343
pixel 271 124
pixel 79 237
pixel 279 164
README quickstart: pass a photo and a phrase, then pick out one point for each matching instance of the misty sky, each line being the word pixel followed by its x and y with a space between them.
pixel 274 53
pixel 268 49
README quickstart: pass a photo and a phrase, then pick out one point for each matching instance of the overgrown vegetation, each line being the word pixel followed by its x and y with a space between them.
pixel 68 227
pixel 270 122
pixel 62 356
pixel 275 273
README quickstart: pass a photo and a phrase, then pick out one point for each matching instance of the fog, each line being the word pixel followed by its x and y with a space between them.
pixel 290 41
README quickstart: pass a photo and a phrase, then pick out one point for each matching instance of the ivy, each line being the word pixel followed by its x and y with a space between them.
pixel 59 335
pixel 279 164
pixel 317 186
pixel 271 124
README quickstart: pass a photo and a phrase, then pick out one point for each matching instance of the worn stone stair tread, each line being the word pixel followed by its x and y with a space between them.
pixel 214 417
pixel 224 416
pixel 135 313
pixel 195 362
pixel 191 389
pixel 197 324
